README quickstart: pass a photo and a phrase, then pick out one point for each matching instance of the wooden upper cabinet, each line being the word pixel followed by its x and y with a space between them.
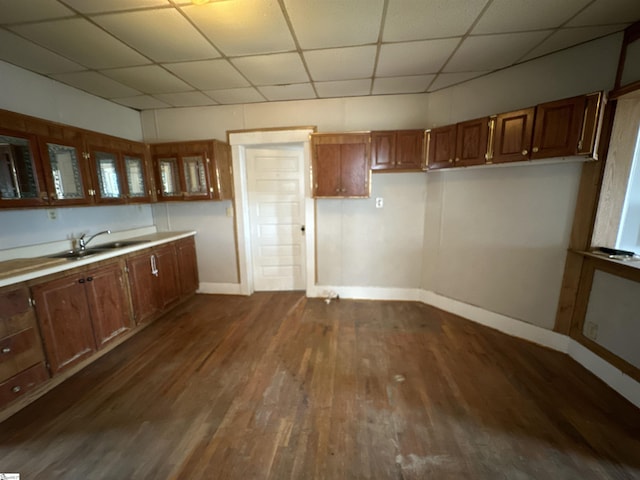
pixel 341 164
pixel 441 146
pixel 222 171
pixel 512 136
pixel 397 150
pixel 557 129
pixel 471 142
pixel 22 181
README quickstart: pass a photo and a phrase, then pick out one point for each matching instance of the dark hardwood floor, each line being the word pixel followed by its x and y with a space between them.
pixel 279 386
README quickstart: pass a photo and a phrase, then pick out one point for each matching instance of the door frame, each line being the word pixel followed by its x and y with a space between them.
pixel 239 142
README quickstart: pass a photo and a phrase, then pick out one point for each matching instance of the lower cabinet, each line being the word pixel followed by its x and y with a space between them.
pixel 22 365
pixel 187 266
pixel 81 312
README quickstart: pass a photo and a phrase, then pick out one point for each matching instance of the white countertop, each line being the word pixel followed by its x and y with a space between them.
pixel 22 268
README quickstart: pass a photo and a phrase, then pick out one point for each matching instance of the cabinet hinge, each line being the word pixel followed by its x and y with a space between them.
pixel 32 302
pixel 208 160
pixel 126 269
pixel 580 144
pixel 86 155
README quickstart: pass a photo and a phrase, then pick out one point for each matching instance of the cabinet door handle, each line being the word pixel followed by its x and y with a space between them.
pixel 16 389
pixel 337 190
pixel 524 152
pixel 89 279
pixel 6 350
pixel 451 160
pixel 154 267
pixel 81 280
pixel 534 149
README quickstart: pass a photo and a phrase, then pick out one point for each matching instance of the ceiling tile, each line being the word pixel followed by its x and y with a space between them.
pixel 141 102
pixel 298 91
pixel 326 24
pixel 96 84
pixel 163 35
pixel 208 74
pixel 603 12
pixel 243 28
pixel 343 88
pixel 567 37
pixel 280 68
pixel 412 84
pixel 504 16
pixel 23 53
pixel 185 99
pixel 149 79
pixel 447 79
pixel 341 63
pixel 492 52
pixel 236 95
pixel 82 42
pixel 414 58
pixel 15 11
pixel 96 6
pixel 429 18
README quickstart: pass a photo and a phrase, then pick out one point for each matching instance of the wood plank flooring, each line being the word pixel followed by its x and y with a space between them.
pixel 277 386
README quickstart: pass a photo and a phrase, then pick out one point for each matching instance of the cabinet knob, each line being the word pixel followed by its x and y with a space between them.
pixel 6 350
pixel 89 279
pixel 451 160
pixel 16 389
pixel 525 152
pixel 81 280
pixel 344 190
pixel 337 190
pixel 534 149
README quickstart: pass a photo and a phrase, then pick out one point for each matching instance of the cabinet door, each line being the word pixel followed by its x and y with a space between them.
pixel 65 322
pixel 107 176
pixel 471 142
pixel 65 172
pixel 557 128
pixel 168 288
pixel 142 285
pixel 223 171
pixel 354 170
pixel 195 177
pixel 512 136
pixel 442 147
pixel 108 303
pixel 326 170
pixel 187 266
pixel 136 179
pixel 409 149
pixel 21 180
pixel 383 150
pixel 168 173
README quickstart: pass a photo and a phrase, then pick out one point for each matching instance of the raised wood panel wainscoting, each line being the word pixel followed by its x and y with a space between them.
pixel 280 386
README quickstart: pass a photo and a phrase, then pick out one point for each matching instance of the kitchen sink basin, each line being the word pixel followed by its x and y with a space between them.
pixel 120 244
pixel 71 254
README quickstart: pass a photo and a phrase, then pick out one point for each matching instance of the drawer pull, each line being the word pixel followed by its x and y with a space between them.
pixel 6 350
pixel 16 389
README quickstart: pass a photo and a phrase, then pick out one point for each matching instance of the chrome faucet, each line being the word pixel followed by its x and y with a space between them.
pixel 81 242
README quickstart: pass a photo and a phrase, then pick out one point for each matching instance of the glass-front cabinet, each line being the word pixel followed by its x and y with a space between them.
pixel 108 175
pixel 136 179
pixel 65 172
pixel 21 182
pixel 182 171
pixel 195 176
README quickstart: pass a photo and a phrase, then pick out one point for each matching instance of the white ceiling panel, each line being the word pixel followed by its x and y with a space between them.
pixel 141 102
pixel 603 12
pixel 243 28
pixel 492 52
pixel 414 58
pixel 277 69
pixel 504 16
pixel 447 79
pixel 23 53
pixel 232 96
pixel 391 85
pixel 96 84
pixel 333 23
pixel 81 42
pixel 96 6
pixel 430 18
pixel 163 35
pixel 341 63
pixel 14 11
pixel 298 91
pixel 149 79
pixel 208 74
pixel 343 88
pixel 185 99
pixel 570 36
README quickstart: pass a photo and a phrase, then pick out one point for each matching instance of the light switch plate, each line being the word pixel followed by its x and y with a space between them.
pixel 379 202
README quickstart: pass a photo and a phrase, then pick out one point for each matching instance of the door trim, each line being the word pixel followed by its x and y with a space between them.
pixel 239 141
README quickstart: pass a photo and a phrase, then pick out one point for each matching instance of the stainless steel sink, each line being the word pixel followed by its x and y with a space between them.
pixel 120 244
pixel 72 254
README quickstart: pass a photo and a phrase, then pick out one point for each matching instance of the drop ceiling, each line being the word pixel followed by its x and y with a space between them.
pixel 148 54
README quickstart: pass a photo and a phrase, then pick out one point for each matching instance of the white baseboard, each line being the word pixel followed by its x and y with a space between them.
pixel 220 288
pixel 366 293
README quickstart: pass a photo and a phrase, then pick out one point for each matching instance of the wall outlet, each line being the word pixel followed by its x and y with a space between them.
pixel 379 202
pixel 52 214
pixel 591 330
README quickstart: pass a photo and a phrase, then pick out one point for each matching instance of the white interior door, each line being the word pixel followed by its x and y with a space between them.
pixel 275 188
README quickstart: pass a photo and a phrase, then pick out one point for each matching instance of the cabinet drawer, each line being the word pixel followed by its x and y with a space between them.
pixel 18 352
pixel 20 384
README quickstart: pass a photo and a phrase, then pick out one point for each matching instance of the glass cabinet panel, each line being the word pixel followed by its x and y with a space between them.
pixel 18 173
pixel 195 175
pixel 169 177
pixel 107 170
pixel 66 172
pixel 135 176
